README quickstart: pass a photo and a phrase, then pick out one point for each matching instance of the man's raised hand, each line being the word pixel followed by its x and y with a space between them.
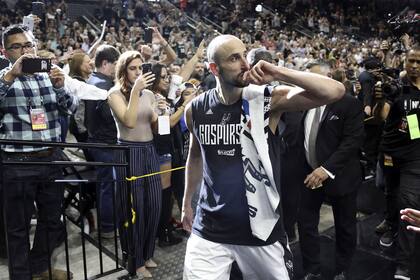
pixel 262 73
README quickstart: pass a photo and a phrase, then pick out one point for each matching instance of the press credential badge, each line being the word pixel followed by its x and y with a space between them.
pixel 413 126
pixel 38 119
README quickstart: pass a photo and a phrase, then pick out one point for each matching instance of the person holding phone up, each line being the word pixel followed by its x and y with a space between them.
pixel 29 110
pixel 151 33
pixel 132 106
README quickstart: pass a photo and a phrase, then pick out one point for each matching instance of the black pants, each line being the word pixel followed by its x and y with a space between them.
pixel 143 196
pixel 415 268
pixel 165 215
pixel 22 187
pixel 370 147
pixel 392 183
pixel 408 197
pixel 291 187
pixel 344 210
pixel 3 249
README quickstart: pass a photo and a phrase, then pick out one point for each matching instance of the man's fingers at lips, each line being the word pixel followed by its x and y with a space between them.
pixel 259 71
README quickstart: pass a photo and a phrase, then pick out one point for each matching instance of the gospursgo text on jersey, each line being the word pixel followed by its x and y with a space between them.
pixel 217 134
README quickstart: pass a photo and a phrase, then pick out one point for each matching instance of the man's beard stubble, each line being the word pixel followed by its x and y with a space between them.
pixel 238 82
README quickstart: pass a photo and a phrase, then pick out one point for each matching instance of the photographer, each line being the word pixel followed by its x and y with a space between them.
pixel 29 109
pixel 375 84
pixel 401 148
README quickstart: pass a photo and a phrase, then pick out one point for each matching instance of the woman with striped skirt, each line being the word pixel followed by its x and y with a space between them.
pixel 133 109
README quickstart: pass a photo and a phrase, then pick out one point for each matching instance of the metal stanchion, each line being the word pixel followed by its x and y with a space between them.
pixel 131 256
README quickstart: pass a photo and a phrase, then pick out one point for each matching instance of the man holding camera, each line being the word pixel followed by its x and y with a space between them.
pixel 373 125
pixel 29 109
pixel 401 148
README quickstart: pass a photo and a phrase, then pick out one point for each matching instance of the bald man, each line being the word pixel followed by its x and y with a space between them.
pixel 221 232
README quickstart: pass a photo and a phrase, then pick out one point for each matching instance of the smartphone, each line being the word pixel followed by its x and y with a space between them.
pixel 148 35
pixel 38 9
pixel 146 67
pixel 28 21
pixel 34 65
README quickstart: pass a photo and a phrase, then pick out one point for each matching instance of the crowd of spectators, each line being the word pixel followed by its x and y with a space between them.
pixel 336 30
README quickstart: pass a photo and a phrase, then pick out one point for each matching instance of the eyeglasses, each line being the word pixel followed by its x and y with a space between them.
pixel 16 47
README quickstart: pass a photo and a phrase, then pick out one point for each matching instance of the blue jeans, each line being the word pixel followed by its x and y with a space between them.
pixel 105 188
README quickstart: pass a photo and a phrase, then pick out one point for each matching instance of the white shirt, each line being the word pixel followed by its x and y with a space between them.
pixel 307 126
pixel 83 90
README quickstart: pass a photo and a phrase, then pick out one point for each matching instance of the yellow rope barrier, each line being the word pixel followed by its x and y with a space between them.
pixel 133 178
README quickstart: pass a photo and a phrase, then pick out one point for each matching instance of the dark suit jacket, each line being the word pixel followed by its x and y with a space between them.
pixel 340 136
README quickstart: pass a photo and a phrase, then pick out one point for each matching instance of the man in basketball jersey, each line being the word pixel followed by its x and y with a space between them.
pixel 221 231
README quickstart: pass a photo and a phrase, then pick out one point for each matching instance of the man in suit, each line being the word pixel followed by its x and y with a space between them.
pixel 333 135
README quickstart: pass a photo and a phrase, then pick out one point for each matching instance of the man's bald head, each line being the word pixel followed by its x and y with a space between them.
pixel 213 49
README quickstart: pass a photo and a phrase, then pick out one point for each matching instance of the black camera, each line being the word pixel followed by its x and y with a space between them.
pixel 389 82
pixel 390 89
pixel 34 65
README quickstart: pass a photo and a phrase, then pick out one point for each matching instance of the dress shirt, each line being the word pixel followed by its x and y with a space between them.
pixel 83 90
pixel 308 123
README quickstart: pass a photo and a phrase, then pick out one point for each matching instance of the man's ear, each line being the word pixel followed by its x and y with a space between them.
pixel 104 63
pixel 214 69
pixel 3 52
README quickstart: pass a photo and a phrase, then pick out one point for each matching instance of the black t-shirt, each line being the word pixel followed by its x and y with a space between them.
pixel 396 140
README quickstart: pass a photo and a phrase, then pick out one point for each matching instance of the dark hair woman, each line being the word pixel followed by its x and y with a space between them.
pixel 166 151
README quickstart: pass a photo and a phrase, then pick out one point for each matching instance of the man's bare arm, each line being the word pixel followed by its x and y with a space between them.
pixel 193 173
pixel 318 90
pixel 188 68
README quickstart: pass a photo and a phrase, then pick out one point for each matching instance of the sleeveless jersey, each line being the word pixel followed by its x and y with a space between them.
pixel 222 212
